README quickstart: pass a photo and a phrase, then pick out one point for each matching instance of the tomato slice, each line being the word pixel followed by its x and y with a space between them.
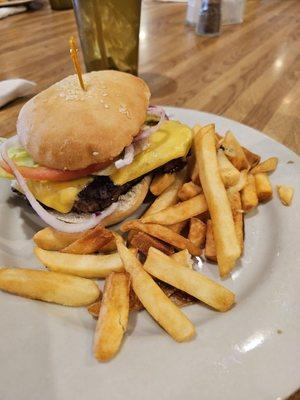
pixel 56 175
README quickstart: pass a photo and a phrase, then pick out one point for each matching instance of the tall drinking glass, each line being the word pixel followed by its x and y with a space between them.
pixel 109 33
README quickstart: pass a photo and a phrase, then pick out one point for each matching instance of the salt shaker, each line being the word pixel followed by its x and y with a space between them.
pixel 209 21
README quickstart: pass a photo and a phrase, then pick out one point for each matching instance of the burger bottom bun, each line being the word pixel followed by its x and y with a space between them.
pixel 128 204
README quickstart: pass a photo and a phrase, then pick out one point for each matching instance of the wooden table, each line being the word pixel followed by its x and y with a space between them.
pixel 250 73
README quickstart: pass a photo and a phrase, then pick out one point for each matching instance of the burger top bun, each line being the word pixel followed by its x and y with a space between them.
pixel 64 127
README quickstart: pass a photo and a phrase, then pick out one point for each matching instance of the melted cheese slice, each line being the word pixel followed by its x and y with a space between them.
pixel 172 140
pixel 58 195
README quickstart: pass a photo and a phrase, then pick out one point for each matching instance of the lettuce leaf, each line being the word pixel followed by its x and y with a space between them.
pixel 20 157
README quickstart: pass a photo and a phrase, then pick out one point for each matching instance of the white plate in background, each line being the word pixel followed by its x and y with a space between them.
pixel 250 352
pixel 14 3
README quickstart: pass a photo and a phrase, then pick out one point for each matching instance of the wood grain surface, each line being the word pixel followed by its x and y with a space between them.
pixel 250 73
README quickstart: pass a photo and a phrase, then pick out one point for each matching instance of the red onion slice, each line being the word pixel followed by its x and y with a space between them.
pixel 159 112
pixel 127 159
pixel 44 214
pixel 141 142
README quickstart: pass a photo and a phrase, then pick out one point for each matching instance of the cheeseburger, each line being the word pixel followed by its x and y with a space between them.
pixel 81 157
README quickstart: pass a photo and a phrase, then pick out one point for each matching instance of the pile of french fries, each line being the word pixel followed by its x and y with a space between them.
pixel 149 264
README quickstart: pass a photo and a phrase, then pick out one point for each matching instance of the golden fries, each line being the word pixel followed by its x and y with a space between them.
pixel 189 190
pixel 238 216
pixel 113 316
pixel 154 300
pixel 86 266
pixel 183 258
pixel 109 247
pixel 234 151
pixel 160 183
pixel 285 194
pixel 199 210
pixel 249 195
pixel 194 283
pixel 195 175
pixel 142 242
pixel 169 196
pixel 94 309
pixel 210 247
pixel 47 286
pixel 229 174
pixel 178 227
pixel 268 165
pixel 163 233
pixel 227 246
pixel 51 239
pixel 253 159
pixel 240 184
pixel 263 187
pixel 197 232
pixel 90 242
pixel 179 212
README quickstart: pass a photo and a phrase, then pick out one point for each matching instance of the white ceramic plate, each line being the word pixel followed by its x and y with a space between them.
pixel 250 352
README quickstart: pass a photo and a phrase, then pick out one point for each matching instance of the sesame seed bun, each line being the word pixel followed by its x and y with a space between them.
pixel 64 127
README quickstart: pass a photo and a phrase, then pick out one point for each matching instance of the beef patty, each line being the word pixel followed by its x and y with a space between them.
pixel 102 192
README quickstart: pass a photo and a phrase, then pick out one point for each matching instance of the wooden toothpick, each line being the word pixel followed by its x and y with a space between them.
pixel 74 57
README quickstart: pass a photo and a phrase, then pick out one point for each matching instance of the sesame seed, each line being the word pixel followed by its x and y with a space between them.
pixel 95 153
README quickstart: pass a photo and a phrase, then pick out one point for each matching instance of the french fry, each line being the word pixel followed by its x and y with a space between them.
pixel 178 227
pixel 183 258
pixel 194 283
pixel 109 247
pixel 210 247
pixel 163 233
pixel 263 187
pixel 285 194
pixel 181 299
pixel 196 129
pixel 168 197
pixel 197 232
pixel 160 183
pixel 241 183
pixel 142 242
pixel 179 212
pixel 268 165
pixel 154 300
pixel 189 190
pixel 90 242
pixel 238 216
pixel 195 175
pixel 134 305
pixel 51 239
pixel 227 246
pixel 177 297
pixel 229 174
pixel 47 286
pixel 94 309
pixel 234 151
pixel 248 194
pixel 86 266
pixel 113 316
pixel 253 159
